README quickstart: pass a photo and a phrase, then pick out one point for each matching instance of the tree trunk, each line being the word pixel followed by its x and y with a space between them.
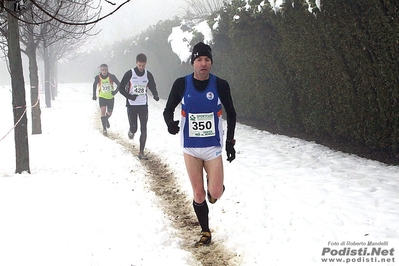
pixel 52 80
pixel 47 87
pixel 34 87
pixel 55 76
pixel 18 97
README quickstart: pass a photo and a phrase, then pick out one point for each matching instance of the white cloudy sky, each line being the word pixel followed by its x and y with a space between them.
pixel 136 16
pixel 132 18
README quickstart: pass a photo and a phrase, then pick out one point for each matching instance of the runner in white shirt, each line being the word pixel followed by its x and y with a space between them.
pixel 134 86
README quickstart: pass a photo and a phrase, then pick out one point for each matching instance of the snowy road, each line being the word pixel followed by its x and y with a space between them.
pixel 88 200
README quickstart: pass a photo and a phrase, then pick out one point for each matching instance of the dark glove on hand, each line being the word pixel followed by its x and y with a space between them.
pixel 231 152
pixel 132 97
pixel 173 127
pixel 94 97
pixel 114 92
pixel 156 98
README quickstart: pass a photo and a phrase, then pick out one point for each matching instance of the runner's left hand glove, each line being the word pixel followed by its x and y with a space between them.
pixel 114 92
pixel 156 98
pixel 173 127
pixel 231 152
pixel 94 97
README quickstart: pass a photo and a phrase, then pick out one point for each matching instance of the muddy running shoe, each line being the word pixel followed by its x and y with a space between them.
pixel 142 156
pixel 130 135
pixel 205 240
pixel 210 199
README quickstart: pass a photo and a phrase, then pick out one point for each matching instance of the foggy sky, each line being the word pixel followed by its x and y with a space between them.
pixel 131 19
pixel 135 17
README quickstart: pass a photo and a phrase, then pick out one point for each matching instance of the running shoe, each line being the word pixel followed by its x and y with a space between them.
pixel 130 135
pixel 142 156
pixel 210 199
pixel 205 240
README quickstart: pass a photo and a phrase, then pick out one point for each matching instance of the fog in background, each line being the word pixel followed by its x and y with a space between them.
pixel 131 19
pixel 134 17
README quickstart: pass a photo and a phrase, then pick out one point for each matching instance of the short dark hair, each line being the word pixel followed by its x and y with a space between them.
pixel 104 65
pixel 141 58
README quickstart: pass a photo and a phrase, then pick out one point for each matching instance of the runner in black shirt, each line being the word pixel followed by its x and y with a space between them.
pixel 202 95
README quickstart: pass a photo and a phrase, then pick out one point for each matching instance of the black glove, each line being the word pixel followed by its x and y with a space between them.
pixel 114 92
pixel 132 97
pixel 231 152
pixel 94 97
pixel 156 98
pixel 173 127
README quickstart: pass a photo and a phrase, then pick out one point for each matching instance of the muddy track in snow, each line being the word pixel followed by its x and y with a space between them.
pixel 178 209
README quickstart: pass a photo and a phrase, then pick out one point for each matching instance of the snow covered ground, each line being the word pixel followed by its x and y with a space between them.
pixel 87 202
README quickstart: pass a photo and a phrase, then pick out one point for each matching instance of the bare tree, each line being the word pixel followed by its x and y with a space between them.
pixel 203 8
pixel 18 96
pixel 9 28
pixel 42 31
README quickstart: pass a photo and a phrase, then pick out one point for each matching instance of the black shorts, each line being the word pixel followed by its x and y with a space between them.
pixel 109 103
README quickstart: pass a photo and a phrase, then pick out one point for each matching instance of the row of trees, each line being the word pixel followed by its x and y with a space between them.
pixel 52 29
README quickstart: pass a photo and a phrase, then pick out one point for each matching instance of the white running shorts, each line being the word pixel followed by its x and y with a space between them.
pixel 206 154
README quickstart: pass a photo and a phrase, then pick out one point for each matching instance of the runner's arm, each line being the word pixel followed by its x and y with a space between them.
pixel 175 96
pixel 116 81
pixel 151 84
pixel 227 101
pixel 95 83
pixel 124 83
